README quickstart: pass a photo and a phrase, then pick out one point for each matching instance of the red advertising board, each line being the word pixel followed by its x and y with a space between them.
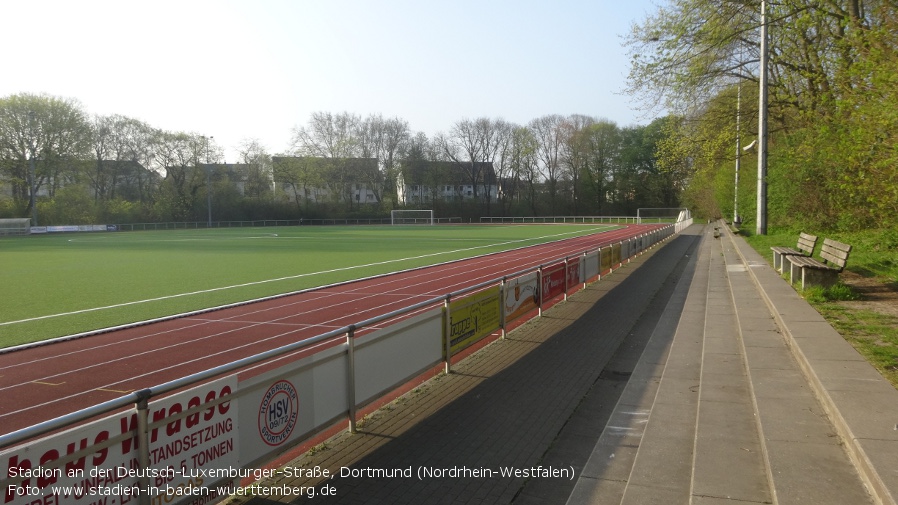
pixel 573 272
pixel 553 281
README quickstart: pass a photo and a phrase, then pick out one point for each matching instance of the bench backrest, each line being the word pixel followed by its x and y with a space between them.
pixel 835 253
pixel 806 243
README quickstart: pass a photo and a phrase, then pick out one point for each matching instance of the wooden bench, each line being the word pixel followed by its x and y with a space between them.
pixel 805 247
pixel 820 273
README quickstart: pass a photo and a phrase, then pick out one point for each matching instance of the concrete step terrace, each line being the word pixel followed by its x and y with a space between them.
pixel 722 413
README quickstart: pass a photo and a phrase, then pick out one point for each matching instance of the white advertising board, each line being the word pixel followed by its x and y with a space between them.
pixel 591 265
pixel 281 406
pixel 97 463
pixel 387 357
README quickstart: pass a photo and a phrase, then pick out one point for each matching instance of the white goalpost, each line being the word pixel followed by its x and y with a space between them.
pixel 399 217
pixel 662 215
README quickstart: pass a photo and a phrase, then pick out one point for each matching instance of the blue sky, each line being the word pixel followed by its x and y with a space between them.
pixel 243 69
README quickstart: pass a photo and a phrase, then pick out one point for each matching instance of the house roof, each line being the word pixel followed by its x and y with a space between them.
pixel 364 167
pixel 233 171
pixel 128 168
pixel 448 172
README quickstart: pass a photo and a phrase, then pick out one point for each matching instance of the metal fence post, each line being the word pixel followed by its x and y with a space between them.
pixel 566 286
pixel 583 268
pixel 502 308
pixel 447 333
pixel 539 284
pixel 350 342
pixel 143 443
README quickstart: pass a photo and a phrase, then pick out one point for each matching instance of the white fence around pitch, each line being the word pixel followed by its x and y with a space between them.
pixel 563 219
pixel 198 225
pixel 8 229
pixel 194 439
pixel 682 215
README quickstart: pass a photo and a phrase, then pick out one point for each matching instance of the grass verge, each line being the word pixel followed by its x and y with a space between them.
pixel 873 334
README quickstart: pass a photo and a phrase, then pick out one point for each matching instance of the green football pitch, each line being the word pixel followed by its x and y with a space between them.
pixel 63 284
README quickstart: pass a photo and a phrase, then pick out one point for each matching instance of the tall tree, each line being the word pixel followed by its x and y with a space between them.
pixel 298 176
pixel 259 177
pixel 496 134
pixel 575 155
pixel 549 132
pixel 328 135
pixel 419 165
pixel 336 138
pixel 465 145
pixel 504 163
pixel 185 158
pixel 524 166
pixel 123 153
pixel 600 147
pixel 381 139
pixel 52 131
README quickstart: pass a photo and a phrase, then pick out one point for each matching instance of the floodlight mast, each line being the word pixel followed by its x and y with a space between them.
pixel 31 172
pixel 736 219
pixel 762 127
pixel 208 182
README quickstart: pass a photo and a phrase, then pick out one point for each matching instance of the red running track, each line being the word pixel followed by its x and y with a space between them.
pixel 45 382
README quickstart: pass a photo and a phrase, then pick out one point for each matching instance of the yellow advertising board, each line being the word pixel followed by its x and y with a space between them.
pixel 473 317
pixel 605 260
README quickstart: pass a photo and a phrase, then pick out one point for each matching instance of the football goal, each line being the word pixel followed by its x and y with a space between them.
pixel 15 226
pixel 662 215
pixel 398 217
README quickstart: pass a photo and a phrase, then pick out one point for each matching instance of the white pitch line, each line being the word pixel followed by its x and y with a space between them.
pixel 255 283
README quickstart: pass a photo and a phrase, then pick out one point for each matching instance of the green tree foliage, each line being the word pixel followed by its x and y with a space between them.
pixel 298 176
pixel 53 132
pixel 72 204
pixel 833 86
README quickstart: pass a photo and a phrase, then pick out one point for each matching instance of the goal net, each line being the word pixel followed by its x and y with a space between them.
pixel 15 226
pixel 398 217
pixel 662 215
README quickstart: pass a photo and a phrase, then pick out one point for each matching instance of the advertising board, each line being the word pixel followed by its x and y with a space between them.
pixel 473 317
pixel 574 272
pixel 521 296
pixel 553 281
pixel 98 463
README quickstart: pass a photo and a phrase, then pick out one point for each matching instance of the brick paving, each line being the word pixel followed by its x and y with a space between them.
pixel 535 398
